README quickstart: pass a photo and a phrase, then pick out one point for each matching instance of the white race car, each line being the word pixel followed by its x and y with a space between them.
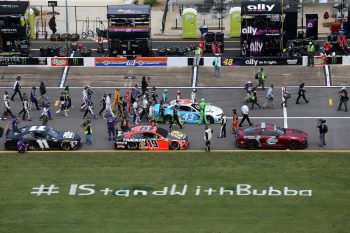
pixel 189 111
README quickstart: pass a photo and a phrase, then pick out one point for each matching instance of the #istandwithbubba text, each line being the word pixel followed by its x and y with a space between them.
pixel 173 190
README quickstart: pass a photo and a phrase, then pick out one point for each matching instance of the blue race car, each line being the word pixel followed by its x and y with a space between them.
pixel 189 112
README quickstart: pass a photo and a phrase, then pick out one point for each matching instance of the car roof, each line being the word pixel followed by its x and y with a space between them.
pixel 144 128
pixel 184 102
pixel 35 128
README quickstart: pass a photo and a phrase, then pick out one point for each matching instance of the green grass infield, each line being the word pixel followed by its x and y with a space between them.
pixel 175 192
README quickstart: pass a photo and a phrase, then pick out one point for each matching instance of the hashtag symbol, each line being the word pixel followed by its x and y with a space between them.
pixel 48 190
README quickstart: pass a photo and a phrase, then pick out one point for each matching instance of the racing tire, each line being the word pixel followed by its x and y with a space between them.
pixel 252 145
pixel 84 35
pixel 132 146
pixel 210 119
pixel 293 145
pixel 65 146
pixel 174 146
pixel 167 119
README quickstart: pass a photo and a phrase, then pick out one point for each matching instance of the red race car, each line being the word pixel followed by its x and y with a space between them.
pixel 270 136
pixel 151 138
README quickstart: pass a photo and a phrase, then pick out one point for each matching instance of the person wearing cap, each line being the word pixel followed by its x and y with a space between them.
pixel 208 134
pixel 202 107
pixel 17 89
pixel 193 96
pixel 33 98
pixel 310 54
pixel 249 88
pixel 103 103
pixel 144 85
pixel 109 106
pixel 301 93
pixel 26 109
pixel 63 106
pixel 216 65
pixel 223 121
pixel 343 99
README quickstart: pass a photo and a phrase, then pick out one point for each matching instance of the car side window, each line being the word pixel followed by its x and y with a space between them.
pixel 137 136
pixel 185 108
pixel 28 136
pixel 39 135
pixel 269 133
pixel 150 136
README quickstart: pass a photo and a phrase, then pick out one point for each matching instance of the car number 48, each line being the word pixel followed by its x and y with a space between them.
pixel 43 143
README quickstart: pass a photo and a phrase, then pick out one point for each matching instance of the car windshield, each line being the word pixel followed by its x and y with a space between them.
pixel 162 132
pixel 53 133
pixel 250 130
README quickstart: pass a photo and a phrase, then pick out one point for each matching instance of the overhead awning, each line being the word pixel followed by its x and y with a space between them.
pixel 128 11
pixel 13 8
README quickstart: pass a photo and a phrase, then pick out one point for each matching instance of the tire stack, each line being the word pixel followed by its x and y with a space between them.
pixel 86 52
pixel 209 39
pixel 219 38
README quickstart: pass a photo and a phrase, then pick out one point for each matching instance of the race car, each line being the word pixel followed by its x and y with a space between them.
pixel 189 112
pixel 43 138
pixel 151 138
pixel 267 135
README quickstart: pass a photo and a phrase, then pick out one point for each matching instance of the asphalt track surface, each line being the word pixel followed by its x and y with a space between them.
pixel 323 104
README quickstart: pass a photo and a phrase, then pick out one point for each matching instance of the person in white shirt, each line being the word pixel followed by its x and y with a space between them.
pixel 7 110
pixel 108 109
pixel 144 107
pixel 45 115
pixel 245 113
pixel 269 97
pixel 85 97
pixel 151 111
pixel 208 134
pixel 135 108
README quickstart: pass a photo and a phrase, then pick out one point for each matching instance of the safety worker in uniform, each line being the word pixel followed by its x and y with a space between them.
pixel 254 99
pixel 202 107
pixel 116 101
pixel 261 79
pixel 310 54
pixel 343 99
pixel 197 56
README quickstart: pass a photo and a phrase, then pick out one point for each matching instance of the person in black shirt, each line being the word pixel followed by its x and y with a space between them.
pixel 343 99
pixel 17 88
pixel 144 85
pixel 175 118
pixel 301 93
pixel 154 95
pixel 223 126
pixel 321 125
pixel 103 103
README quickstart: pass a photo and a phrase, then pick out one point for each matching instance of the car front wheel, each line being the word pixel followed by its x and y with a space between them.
pixel 132 146
pixel 293 145
pixel 252 145
pixel 174 146
pixel 65 146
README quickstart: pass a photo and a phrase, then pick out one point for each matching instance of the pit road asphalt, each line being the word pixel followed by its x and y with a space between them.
pixel 323 104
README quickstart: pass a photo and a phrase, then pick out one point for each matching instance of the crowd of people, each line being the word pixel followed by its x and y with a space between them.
pixel 137 104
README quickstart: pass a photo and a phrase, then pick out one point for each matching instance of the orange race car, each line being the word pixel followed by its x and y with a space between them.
pixel 151 138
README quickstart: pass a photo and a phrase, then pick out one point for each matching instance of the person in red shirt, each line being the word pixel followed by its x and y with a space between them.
pixel 327 47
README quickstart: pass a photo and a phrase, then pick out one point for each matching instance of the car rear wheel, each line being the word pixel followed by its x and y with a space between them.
pixel 132 146
pixel 65 146
pixel 252 145
pixel 210 119
pixel 174 146
pixel 293 145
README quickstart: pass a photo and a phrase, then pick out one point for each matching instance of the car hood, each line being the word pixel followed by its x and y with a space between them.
pixel 177 135
pixel 213 110
pixel 68 136
pixel 295 132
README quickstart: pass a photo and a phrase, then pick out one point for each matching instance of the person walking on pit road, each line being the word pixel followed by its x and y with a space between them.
pixel 343 99
pixel 260 76
pixel 310 54
pixel 208 134
pixel 323 129
pixel 301 93
pixel 235 121
pixel 254 99
pixel 269 97
pixel 286 96
pixel 17 88
pixel 216 65
pixel 245 113
pixel 223 126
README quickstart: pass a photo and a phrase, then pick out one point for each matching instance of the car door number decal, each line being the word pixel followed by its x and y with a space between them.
pixel 43 143
pixel 153 143
pixel 272 140
pixel 188 116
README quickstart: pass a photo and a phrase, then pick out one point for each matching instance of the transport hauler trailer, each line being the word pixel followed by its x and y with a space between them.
pixel 129 30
